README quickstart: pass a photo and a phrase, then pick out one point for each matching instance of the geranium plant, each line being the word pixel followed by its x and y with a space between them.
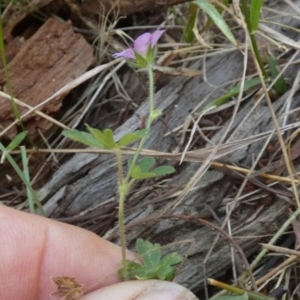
pixel 141 55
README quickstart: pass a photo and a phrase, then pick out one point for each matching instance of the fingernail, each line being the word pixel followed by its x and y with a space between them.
pixel 164 290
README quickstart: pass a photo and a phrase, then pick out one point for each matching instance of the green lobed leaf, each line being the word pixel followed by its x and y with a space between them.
pixel 131 137
pixel 82 137
pixel 16 141
pixel 255 8
pixel 149 253
pixel 166 271
pixel 143 169
pixel 137 271
pixel 109 134
pixel 105 138
pixel 153 266
pixel 146 163
pixel 162 170
pixel 217 19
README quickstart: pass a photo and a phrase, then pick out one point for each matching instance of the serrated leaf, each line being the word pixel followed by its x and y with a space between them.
pixel 109 134
pixel 233 297
pixel 153 267
pixel 171 259
pixel 131 137
pixel 149 253
pixel 255 8
pixel 166 271
pixel 82 137
pixel 162 170
pixel 16 141
pixel 146 164
pixel 217 19
pixel 136 271
pixel 105 138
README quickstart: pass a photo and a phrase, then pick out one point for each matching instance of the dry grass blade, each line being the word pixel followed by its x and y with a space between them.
pixel 200 172
pixel 279 37
pixel 281 250
pixel 66 89
pixel 37 112
pixel 177 71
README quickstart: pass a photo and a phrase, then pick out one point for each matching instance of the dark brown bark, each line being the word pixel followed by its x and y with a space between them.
pixel 125 7
pixel 44 63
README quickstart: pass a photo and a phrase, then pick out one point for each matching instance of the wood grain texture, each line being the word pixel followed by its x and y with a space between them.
pixel 87 180
pixel 47 61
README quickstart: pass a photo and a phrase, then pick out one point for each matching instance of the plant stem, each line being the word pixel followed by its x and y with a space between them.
pixel 246 13
pixel 122 231
pixel 149 122
pixel 122 195
pixel 120 165
pixel 124 185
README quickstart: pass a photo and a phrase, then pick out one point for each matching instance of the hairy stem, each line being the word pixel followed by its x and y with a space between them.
pixel 122 195
pixel 124 185
pixel 120 165
pixel 122 231
pixel 149 122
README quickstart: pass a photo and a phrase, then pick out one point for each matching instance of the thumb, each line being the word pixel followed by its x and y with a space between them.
pixel 142 290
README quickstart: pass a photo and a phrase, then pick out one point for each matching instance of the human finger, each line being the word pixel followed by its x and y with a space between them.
pixel 34 249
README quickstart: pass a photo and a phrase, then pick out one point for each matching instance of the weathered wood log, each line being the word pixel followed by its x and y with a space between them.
pixel 88 182
pixel 46 62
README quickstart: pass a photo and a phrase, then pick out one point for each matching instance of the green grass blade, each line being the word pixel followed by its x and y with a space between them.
pixel 23 178
pixel 217 19
pixel 188 30
pixel 232 92
pixel 255 8
pixel 27 176
pixel 16 141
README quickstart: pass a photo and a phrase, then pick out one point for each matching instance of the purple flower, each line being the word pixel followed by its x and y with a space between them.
pixel 141 45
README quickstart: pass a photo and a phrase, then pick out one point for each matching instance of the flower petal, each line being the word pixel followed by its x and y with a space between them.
pixel 156 36
pixel 142 43
pixel 127 53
